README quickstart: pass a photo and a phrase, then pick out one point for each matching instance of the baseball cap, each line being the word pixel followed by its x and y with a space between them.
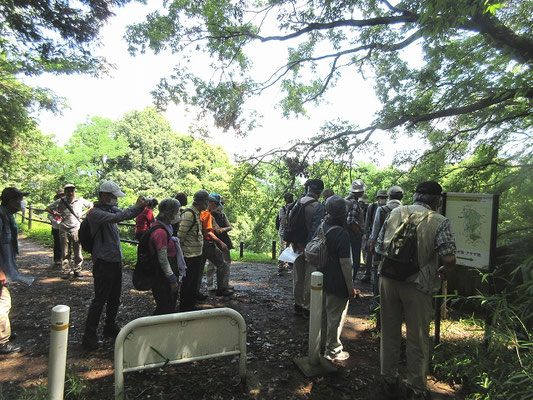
pixel 111 187
pixel 12 193
pixel 69 186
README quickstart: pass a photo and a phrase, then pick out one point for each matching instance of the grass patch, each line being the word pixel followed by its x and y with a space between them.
pixel 42 234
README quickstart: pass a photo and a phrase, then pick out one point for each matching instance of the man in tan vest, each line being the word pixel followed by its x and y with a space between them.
pixel 411 297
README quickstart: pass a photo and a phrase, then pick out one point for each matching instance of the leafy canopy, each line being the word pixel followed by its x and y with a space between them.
pixel 458 72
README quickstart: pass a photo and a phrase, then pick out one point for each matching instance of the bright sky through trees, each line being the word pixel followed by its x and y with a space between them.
pixel 128 88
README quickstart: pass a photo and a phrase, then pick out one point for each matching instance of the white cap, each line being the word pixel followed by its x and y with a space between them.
pixel 111 187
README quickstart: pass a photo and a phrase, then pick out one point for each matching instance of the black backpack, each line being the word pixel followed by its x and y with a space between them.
pixel 86 237
pixel 400 259
pixel 296 230
pixel 146 266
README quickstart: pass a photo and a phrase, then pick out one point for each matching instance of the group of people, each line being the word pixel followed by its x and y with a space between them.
pixel 182 240
pixel 353 230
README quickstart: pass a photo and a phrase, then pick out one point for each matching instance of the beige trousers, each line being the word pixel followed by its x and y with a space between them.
pixel 301 285
pixel 400 299
pixel 334 309
pixel 5 307
pixel 66 241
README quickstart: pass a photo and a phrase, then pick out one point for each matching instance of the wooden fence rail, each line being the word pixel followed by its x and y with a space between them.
pixel 33 217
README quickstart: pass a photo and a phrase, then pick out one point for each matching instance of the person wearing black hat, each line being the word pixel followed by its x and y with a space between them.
pixel 411 297
pixel 314 212
pixel 11 203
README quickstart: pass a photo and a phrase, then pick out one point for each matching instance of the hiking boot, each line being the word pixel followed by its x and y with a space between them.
pixel 340 356
pixel 78 274
pixel 224 293
pixel 91 342
pixel 9 348
pixel 65 275
pixel 298 309
pixel 111 330
pixel 306 313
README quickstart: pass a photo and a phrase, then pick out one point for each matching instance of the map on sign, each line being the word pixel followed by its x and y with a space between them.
pixel 471 220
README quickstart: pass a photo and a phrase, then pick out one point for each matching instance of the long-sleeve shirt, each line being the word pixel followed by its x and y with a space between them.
pixel 190 233
pixel 103 221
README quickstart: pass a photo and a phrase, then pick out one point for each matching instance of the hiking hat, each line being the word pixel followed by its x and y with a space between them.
pixel 336 206
pixel 358 186
pixel 201 196
pixel 216 198
pixel 167 206
pixel 10 193
pixel 111 187
pixel 288 197
pixel 381 193
pixel 429 187
pixel 69 186
pixel 395 190
pixel 315 185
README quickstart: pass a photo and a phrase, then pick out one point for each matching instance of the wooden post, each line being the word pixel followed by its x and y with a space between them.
pixel 274 250
pixel 30 216
pixel 242 250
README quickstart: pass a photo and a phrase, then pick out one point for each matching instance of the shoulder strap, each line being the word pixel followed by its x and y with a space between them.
pixel 193 216
pixel 70 209
pixel 309 202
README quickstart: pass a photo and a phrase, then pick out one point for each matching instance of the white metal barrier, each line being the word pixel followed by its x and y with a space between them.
pixel 151 342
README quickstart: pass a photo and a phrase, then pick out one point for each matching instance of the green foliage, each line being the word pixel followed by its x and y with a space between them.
pixel 504 369
pixel 44 37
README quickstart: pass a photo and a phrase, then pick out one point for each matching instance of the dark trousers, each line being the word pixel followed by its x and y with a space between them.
pixel 107 289
pixel 57 246
pixel 190 283
pixel 212 253
pixel 355 243
pixel 165 300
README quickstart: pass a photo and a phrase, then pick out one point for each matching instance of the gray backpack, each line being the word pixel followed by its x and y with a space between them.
pixel 316 251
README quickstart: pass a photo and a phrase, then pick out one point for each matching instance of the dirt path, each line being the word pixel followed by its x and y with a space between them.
pixel 274 335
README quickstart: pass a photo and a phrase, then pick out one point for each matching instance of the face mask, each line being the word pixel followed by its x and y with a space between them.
pixel 382 202
pixel 175 220
pixel 112 202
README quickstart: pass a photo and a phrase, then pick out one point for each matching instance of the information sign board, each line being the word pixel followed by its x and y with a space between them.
pixel 474 219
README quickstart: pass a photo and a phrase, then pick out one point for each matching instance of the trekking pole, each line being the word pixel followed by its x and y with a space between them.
pixel 315 321
pixel 58 352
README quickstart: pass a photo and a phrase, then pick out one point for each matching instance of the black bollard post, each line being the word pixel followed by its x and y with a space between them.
pixel 242 250
pixel 273 249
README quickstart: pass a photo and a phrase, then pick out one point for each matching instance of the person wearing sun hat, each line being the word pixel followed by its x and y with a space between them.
pixel 412 297
pixel 221 226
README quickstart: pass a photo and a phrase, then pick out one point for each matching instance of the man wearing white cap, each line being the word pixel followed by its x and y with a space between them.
pixel 107 260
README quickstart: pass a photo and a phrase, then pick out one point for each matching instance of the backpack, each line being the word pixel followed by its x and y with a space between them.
pixel 86 237
pixel 316 251
pixel 296 230
pixel 145 268
pixel 400 259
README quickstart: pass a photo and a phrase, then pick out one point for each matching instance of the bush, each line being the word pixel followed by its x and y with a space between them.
pixel 501 366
